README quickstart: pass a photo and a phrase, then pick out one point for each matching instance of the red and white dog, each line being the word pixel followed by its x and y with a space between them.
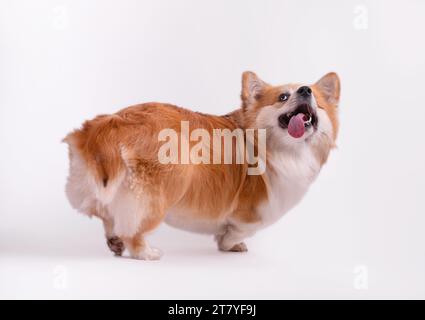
pixel 117 176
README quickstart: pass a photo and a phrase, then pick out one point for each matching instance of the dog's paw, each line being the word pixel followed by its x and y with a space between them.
pixel 148 253
pixel 116 245
pixel 239 247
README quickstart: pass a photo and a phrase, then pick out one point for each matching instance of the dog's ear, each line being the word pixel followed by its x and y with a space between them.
pixel 252 88
pixel 330 88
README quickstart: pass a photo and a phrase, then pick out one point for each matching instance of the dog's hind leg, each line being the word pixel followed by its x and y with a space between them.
pixel 135 213
pixel 115 244
pixel 137 244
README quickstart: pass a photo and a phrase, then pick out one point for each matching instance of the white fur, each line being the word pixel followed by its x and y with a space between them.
pixel 292 165
pixel 234 233
pixel 324 127
pixel 148 253
pixel 116 200
pixel 80 185
pixel 288 178
pixel 106 194
pixel 179 218
pixel 127 210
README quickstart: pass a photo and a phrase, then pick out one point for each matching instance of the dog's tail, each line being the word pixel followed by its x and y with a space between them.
pixel 97 145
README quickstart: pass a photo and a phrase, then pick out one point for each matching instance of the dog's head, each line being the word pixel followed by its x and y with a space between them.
pixel 291 113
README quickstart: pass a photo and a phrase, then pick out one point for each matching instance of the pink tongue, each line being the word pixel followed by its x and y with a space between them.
pixel 296 126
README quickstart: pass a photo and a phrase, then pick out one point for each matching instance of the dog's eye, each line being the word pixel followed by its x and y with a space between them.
pixel 283 97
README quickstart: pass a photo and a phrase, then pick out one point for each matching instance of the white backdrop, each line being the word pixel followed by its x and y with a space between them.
pixel 359 233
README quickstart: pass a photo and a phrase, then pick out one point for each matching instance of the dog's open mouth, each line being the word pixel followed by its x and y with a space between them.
pixel 298 120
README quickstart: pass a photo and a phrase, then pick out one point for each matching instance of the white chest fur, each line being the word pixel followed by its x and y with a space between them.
pixel 289 175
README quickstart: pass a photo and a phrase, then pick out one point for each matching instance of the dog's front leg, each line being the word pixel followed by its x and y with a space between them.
pixel 232 239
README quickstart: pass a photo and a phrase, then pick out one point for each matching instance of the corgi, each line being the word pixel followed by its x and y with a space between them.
pixel 117 175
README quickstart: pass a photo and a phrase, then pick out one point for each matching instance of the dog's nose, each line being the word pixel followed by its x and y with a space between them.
pixel 304 91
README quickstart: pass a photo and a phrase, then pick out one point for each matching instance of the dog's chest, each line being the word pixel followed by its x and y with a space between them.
pixel 288 180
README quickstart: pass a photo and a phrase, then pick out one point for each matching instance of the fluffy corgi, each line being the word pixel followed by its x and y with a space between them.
pixel 121 173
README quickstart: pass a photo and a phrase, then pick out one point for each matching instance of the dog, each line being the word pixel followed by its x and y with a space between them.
pixel 117 175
